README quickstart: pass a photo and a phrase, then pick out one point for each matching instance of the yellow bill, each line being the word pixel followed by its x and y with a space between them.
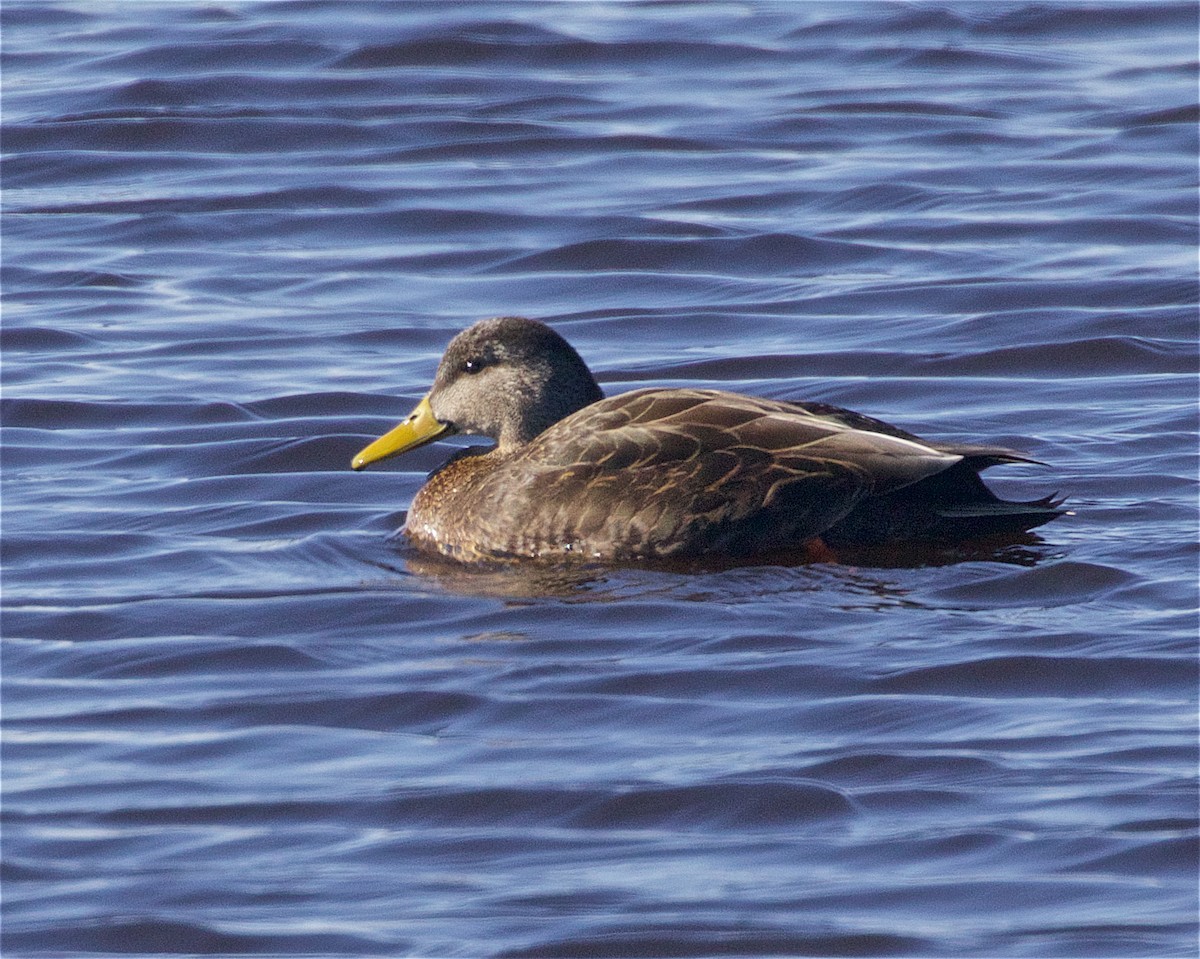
pixel 420 428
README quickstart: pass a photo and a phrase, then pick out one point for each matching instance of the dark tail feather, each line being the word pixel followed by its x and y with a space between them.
pixel 997 517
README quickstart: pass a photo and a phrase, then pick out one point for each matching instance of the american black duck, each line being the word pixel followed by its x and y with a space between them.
pixel 671 473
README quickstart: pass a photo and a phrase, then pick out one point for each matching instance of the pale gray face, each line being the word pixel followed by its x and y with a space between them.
pixel 510 378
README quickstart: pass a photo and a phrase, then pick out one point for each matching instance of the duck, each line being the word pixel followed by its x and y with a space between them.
pixel 671 473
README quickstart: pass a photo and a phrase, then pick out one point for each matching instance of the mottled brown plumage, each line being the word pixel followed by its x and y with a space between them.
pixel 670 473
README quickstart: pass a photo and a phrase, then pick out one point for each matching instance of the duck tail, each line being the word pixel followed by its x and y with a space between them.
pixel 953 506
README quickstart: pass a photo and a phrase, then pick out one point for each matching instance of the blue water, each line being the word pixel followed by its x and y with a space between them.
pixel 242 720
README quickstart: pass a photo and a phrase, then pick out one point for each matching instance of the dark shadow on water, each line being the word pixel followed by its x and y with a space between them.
pixel 1020 550
pixel 706 579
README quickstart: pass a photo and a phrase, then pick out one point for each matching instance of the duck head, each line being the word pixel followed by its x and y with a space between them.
pixel 507 378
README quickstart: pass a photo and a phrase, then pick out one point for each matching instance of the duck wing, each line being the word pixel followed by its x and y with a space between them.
pixel 677 472
pixel 983 455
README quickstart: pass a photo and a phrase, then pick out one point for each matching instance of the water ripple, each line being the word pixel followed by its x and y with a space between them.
pixel 240 717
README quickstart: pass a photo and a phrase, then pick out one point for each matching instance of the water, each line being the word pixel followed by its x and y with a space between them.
pixel 240 720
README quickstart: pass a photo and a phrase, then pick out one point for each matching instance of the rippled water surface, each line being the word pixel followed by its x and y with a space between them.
pixel 241 720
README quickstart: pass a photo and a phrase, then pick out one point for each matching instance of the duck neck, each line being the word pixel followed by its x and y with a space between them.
pixel 556 398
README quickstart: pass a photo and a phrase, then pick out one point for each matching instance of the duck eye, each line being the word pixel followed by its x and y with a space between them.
pixel 473 365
